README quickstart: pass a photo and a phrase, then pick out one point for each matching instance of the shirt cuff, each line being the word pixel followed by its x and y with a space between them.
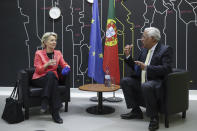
pixel 145 68
pixel 128 57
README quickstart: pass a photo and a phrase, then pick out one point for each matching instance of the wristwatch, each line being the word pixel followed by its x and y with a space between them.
pixel 55 12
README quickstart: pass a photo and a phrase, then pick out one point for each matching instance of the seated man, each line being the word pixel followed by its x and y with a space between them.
pixel 144 88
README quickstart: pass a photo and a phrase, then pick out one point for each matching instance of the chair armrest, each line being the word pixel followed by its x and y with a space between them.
pixel 66 79
pixel 23 85
pixel 177 90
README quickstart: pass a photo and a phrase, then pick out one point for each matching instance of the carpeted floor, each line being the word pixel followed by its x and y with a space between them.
pixel 77 119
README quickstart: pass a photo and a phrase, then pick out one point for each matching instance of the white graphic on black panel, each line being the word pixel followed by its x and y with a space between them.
pixel 25 22
pixel 38 23
pixel 80 15
pixel 176 19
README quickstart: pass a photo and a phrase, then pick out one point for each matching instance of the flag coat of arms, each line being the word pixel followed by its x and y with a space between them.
pixel 111 59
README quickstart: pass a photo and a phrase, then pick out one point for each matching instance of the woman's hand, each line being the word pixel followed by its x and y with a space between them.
pixel 68 66
pixel 50 63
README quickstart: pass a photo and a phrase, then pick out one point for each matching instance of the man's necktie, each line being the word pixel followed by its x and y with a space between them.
pixel 143 74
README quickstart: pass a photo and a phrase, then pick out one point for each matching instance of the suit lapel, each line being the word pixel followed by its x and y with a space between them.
pixel 156 51
pixel 144 54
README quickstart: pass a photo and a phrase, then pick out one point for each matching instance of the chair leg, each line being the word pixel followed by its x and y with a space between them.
pixel 166 121
pixel 184 114
pixel 26 113
pixel 66 106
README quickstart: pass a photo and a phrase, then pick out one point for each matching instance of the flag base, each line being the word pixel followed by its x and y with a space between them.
pixel 113 99
pixel 95 99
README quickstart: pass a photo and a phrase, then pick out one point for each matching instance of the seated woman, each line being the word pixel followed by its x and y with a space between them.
pixel 45 76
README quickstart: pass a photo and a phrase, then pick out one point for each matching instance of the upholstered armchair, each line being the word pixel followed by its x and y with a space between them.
pixel 30 95
pixel 176 98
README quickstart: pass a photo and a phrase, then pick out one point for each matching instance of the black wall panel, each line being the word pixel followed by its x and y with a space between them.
pixel 23 23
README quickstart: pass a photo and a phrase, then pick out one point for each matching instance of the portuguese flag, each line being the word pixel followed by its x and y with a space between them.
pixel 110 59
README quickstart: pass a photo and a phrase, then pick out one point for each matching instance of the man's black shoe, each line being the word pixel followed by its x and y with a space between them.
pixel 154 124
pixel 134 114
pixel 56 117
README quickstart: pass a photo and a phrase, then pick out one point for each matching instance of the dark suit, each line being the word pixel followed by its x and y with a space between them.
pixel 149 93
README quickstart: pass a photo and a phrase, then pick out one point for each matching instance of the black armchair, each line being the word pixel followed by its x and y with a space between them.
pixel 30 95
pixel 176 97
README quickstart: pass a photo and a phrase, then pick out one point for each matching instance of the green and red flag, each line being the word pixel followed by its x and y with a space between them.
pixel 110 59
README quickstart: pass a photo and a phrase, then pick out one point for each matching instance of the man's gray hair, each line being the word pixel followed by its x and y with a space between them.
pixel 153 32
pixel 46 36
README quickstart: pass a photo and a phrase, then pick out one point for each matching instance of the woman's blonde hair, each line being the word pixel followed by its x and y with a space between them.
pixel 46 36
